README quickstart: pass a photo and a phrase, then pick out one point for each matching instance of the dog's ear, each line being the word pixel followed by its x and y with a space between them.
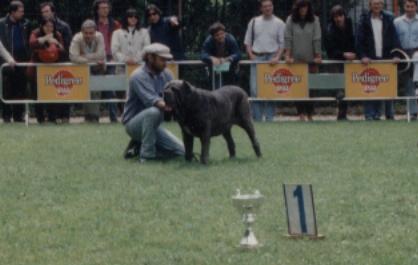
pixel 186 87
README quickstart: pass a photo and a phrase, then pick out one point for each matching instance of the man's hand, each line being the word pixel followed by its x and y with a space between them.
pixel 396 60
pixel 215 61
pixel 174 21
pixel 349 56
pixel 160 104
pixel 251 56
pixel 317 60
pixel 274 60
pixel 289 60
pixel 12 64
pixel 365 60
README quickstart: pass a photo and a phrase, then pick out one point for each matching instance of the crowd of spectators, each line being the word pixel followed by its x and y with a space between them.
pixel 104 39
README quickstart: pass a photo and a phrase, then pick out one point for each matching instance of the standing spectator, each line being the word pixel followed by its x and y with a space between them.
pixel 48 12
pixel 47 46
pixel 144 108
pixel 107 25
pixel 87 46
pixel 339 43
pixel 221 47
pixel 407 28
pixel 376 38
pixel 128 43
pixel 264 41
pixel 303 45
pixel 14 36
pixel 165 30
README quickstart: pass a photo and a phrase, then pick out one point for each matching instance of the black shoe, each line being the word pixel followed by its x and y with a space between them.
pixel 132 150
pixel 390 118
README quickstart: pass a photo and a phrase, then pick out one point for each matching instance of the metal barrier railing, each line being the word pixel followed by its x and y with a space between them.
pixel 122 84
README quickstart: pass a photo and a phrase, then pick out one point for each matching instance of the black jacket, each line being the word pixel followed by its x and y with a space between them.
pixel 7 40
pixel 338 41
pixel 66 33
pixel 365 45
pixel 163 32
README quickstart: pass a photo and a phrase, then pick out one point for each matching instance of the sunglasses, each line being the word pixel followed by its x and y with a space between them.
pixel 152 14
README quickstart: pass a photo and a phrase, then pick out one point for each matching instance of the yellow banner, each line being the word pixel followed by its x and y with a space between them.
pixel 373 80
pixel 282 81
pixel 63 82
pixel 174 68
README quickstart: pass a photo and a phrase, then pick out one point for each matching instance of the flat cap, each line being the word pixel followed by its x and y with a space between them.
pixel 158 49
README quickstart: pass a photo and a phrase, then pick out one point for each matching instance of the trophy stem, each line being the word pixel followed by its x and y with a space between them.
pixel 247 205
pixel 249 241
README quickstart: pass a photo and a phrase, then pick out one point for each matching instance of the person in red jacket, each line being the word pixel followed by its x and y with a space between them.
pixel 107 25
pixel 47 46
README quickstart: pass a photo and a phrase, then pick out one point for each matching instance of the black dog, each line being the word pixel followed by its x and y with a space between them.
pixel 204 114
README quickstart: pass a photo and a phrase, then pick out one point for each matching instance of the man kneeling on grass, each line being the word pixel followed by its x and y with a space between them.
pixel 144 109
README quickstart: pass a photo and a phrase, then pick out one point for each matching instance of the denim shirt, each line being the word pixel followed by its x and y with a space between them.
pixel 407 32
pixel 145 89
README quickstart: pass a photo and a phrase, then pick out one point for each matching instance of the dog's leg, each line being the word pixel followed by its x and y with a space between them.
pixel 230 142
pixel 248 126
pixel 205 142
pixel 188 145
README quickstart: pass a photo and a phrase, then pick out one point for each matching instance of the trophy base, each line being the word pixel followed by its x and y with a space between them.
pixel 249 241
pixel 311 237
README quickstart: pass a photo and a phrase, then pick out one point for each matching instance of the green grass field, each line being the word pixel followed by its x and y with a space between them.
pixel 68 197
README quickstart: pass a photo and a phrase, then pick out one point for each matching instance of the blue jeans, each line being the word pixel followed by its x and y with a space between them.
pixel 409 88
pixel 258 109
pixel 372 110
pixel 112 107
pixel 146 129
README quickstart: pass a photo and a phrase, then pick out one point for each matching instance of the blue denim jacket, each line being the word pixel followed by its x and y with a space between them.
pixel 145 89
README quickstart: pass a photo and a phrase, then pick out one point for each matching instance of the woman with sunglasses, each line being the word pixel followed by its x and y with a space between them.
pixel 129 42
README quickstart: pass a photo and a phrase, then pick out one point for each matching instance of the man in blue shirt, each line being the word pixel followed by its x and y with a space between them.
pixel 407 28
pixel 145 107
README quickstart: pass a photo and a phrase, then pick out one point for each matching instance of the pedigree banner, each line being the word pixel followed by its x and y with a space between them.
pixel 282 81
pixel 174 68
pixel 373 80
pixel 63 82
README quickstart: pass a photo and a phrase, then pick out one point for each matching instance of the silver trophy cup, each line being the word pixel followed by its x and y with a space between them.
pixel 248 205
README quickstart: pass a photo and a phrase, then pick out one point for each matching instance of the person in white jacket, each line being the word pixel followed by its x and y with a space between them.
pixel 129 42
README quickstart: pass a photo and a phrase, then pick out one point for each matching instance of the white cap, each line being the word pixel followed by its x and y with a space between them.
pixel 158 49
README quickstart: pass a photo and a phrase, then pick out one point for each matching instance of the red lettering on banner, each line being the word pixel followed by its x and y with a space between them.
pixel 370 79
pixel 282 80
pixel 63 81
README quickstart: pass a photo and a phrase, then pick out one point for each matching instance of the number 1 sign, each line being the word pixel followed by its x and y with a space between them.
pixel 300 210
